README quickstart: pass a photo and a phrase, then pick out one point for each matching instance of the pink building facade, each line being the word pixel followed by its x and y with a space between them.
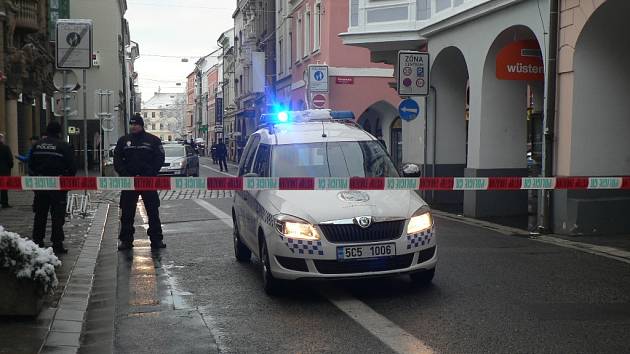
pixel 309 34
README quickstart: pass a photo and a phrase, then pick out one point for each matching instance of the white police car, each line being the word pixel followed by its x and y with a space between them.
pixel 325 233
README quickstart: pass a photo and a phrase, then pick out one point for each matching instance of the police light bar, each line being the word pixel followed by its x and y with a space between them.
pixel 287 117
pixel 345 115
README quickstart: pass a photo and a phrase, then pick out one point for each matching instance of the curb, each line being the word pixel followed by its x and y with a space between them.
pixel 506 230
pixel 602 251
pixel 65 331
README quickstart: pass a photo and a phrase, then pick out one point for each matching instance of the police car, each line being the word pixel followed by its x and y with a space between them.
pixel 328 234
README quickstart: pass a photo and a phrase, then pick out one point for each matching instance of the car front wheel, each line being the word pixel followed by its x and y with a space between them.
pixel 241 252
pixel 270 284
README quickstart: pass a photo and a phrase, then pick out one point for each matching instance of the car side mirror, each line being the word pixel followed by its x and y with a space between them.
pixel 411 170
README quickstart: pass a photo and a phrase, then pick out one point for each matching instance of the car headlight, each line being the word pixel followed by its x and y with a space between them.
pixel 295 228
pixel 420 221
pixel 178 164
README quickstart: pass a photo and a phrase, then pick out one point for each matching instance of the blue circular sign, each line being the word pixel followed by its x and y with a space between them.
pixel 408 110
pixel 319 75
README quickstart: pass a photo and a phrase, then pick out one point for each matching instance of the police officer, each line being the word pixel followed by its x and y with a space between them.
pixel 222 155
pixel 139 154
pixel 51 157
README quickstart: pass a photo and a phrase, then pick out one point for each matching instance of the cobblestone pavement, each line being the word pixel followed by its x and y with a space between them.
pixel 113 196
pixel 26 335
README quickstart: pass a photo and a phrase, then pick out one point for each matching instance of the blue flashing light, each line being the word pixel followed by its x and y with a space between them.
pixel 348 115
pixel 283 117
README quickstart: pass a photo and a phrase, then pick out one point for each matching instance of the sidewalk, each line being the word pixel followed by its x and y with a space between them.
pixel 24 335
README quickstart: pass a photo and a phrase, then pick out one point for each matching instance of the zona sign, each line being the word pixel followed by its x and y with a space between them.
pixel 319 101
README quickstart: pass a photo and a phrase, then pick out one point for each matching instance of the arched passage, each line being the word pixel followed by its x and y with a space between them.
pixel 447 124
pixel 379 118
pixel 599 143
pixel 600 94
pixel 513 73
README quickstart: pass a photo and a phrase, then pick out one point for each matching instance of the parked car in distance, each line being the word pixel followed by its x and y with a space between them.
pixel 181 160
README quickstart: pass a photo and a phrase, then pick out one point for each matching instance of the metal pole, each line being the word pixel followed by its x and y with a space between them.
pixel 426 143
pixel 64 92
pixel 85 132
pixel 435 101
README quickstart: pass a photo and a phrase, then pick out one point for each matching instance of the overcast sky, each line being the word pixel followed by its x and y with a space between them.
pixel 168 30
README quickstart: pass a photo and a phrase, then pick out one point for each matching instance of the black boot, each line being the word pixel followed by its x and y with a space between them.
pixel 125 245
pixel 157 245
pixel 58 248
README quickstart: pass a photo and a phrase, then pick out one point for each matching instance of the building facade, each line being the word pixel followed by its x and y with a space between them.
pixel 309 34
pixel 254 49
pixel 225 124
pixel 189 118
pixel 163 115
pixel 493 108
pixel 110 71
pixel 26 62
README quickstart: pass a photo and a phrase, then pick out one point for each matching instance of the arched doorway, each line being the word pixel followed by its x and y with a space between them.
pixel 396 142
pixel 447 125
pixel 498 136
pixel 379 117
pixel 599 143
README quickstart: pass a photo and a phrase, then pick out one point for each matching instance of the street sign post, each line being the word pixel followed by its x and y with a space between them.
pixel 408 109
pixel 318 78
pixel 74 51
pixel 413 73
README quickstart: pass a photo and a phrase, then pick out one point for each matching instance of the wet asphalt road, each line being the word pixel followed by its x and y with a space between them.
pixel 492 293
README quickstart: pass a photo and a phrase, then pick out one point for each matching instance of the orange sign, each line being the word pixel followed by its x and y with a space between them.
pixel 521 60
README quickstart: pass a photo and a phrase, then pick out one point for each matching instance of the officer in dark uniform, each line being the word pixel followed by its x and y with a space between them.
pixel 51 157
pixel 139 154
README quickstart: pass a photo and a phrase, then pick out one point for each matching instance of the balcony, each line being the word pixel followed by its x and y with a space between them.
pixel 27 15
pixel 382 25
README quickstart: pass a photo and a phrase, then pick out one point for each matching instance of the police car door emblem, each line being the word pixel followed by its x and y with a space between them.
pixel 363 221
pixel 353 196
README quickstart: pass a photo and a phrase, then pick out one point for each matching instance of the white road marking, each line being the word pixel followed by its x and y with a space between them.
pixel 385 330
pixel 227 220
pixel 217 171
pixel 603 251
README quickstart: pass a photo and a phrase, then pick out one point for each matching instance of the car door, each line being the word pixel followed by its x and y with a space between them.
pixel 244 213
pixel 261 169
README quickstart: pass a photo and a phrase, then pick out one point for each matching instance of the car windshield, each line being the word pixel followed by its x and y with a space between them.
pixel 174 151
pixel 336 159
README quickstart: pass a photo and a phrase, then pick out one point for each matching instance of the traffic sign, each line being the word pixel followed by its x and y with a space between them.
pixel 74 44
pixel 413 73
pixel 71 80
pixel 408 109
pixel 319 100
pixel 318 78
pixel 70 100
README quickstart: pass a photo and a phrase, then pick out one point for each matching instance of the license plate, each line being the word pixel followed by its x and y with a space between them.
pixel 366 251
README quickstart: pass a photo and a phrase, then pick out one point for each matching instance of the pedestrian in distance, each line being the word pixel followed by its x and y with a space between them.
pixel 139 154
pixel 6 164
pixel 213 153
pixel 25 158
pixel 222 156
pixel 51 156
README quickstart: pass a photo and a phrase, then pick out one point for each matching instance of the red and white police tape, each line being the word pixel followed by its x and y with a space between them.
pixel 310 183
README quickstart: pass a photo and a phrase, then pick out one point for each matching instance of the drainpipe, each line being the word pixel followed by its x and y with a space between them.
pixel 435 101
pixel 545 215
